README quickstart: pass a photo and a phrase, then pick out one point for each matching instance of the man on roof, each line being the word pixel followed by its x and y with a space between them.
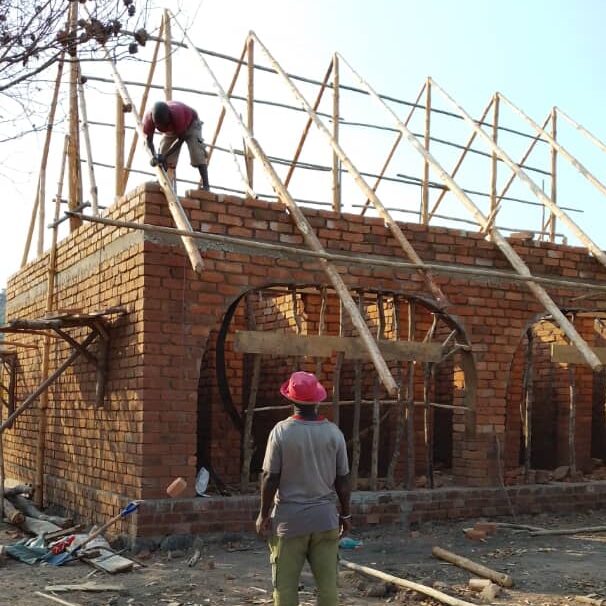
pixel 305 470
pixel 178 124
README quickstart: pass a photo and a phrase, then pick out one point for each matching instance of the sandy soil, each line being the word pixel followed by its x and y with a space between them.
pixel 233 569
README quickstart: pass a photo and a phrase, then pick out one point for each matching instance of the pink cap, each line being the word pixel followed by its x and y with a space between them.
pixel 303 388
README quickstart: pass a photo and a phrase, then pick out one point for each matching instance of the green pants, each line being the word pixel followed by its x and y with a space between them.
pixel 287 557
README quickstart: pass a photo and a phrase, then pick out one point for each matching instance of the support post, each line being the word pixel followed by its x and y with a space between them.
pixel 528 384
pixel 168 57
pixel 336 380
pixel 250 107
pixel 336 165
pixel 75 177
pixel 376 406
pixel 89 151
pixel 424 217
pixel 355 437
pixel 572 419
pixel 410 406
pixel 119 174
pixel 494 160
pixel 399 422
pixel 554 175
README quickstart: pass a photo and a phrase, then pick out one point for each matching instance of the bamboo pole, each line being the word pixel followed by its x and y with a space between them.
pixel 119 171
pixel 89 151
pixel 336 381
pixel 247 441
pixel 395 145
pixel 511 179
pixel 528 385
pixel 44 372
pixel 356 446
pixel 445 268
pixel 410 410
pixel 362 184
pixel 399 422
pixel 572 160
pixel 142 107
pixel 250 107
pixel 554 175
pixel 581 129
pixel 304 226
pixel 168 57
pixel 595 250
pixel 75 177
pixel 572 418
pixel 230 90
pixel 321 325
pixel 496 237
pixel 176 210
pixel 423 589
pixel 494 159
pixel 428 410
pixel 336 166
pixel 459 162
pixel 425 184
pixel 483 571
pixel 293 164
pixel 376 405
pixel 363 401
pixel 45 150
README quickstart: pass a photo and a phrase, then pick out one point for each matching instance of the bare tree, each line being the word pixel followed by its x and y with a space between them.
pixel 34 34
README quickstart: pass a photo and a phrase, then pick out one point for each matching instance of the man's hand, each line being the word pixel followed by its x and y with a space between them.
pixel 158 160
pixel 345 526
pixel 263 526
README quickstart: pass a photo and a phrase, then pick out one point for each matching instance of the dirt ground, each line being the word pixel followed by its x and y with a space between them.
pixel 233 569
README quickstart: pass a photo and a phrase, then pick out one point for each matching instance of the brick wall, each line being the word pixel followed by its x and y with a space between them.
pixel 164 415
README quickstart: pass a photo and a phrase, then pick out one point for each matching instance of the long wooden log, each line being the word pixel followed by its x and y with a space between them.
pixel 428 591
pixel 54 598
pixel 12 514
pixel 561 531
pixel 498 577
pixel 29 509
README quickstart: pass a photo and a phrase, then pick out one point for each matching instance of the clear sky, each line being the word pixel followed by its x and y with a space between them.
pixel 539 53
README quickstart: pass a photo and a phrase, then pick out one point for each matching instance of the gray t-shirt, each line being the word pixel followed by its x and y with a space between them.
pixel 308 455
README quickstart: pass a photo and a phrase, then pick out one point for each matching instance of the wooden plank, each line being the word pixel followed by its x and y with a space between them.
pixel 569 354
pixel 288 344
pixel 109 562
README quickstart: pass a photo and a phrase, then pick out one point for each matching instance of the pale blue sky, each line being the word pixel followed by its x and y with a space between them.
pixel 539 53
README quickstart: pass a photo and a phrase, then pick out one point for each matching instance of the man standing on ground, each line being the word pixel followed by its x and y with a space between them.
pixel 178 123
pixel 304 470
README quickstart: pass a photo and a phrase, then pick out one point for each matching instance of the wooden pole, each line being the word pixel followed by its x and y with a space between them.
pixel 362 184
pixel 302 253
pixel 425 185
pixel 572 160
pixel 119 172
pixel 554 175
pixel 356 446
pixel 142 107
pixel 513 257
pixel 483 571
pixel 293 164
pixel 376 405
pixel 336 165
pixel 75 177
pixel 528 385
pixel 321 325
pixel 336 381
pixel 89 150
pixel 410 406
pixel 250 107
pixel 428 410
pixel 399 422
pixel 392 151
pixel 168 57
pixel 44 372
pixel 423 589
pixel 494 159
pixel 45 150
pixel 458 163
pixel 581 129
pixel 306 229
pixel 572 418
pixel 230 90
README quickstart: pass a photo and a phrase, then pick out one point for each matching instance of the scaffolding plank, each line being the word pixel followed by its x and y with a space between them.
pixel 569 354
pixel 289 344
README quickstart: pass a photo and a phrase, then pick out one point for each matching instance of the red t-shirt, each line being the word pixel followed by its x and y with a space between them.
pixel 181 117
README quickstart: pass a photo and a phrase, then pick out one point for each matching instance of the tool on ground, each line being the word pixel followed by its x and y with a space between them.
pixel 67 556
pixel 176 487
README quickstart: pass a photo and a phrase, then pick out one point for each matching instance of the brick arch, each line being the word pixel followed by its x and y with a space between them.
pixel 232 378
